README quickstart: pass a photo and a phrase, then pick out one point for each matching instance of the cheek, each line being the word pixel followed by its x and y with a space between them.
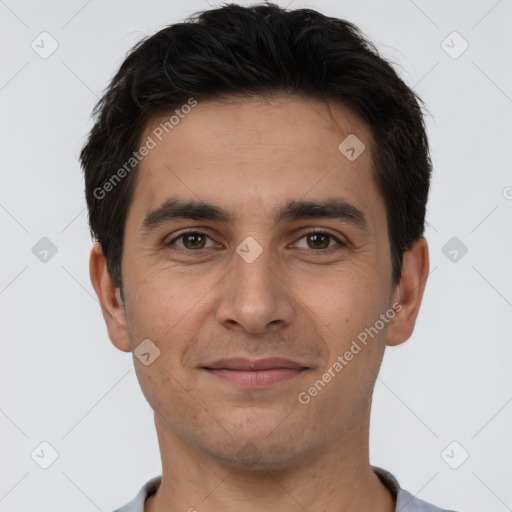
pixel 164 307
pixel 172 397
pixel 347 307
pixel 345 300
pixel 355 349
pixel 161 300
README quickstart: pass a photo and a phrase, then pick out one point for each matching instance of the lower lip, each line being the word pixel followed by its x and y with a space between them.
pixel 256 378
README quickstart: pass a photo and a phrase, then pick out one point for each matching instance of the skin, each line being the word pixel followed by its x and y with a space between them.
pixel 250 156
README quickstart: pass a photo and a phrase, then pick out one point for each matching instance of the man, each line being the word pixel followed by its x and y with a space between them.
pixel 257 182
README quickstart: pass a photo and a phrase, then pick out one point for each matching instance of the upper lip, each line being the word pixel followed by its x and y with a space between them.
pixel 240 363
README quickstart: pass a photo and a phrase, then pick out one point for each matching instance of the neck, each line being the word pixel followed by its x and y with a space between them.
pixel 338 478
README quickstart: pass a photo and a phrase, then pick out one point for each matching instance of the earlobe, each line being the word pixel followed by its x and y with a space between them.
pixel 110 300
pixel 409 292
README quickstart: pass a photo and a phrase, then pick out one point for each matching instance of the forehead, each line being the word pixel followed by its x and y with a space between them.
pixel 308 126
pixel 258 153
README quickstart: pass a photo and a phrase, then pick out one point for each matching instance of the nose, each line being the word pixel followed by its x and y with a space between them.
pixel 254 296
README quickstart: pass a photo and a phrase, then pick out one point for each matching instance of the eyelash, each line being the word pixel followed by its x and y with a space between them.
pixel 340 245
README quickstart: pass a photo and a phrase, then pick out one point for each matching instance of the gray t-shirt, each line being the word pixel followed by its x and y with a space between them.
pixel 405 501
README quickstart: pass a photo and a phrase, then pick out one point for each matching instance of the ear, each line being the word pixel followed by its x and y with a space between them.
pixel 110 299
pixel 409 293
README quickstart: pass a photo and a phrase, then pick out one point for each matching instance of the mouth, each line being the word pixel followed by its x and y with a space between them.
pixel 255 373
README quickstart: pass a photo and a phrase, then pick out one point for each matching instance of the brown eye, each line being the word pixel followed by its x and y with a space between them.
pixel 191 241
pixel 321 241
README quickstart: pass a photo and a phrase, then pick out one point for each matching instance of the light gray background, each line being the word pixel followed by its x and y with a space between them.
pixel 63 382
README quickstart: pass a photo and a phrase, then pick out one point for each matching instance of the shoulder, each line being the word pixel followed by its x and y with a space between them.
pixel 137 503
pixel 405 501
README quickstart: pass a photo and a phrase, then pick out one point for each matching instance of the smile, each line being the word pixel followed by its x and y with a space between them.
pixel 255 374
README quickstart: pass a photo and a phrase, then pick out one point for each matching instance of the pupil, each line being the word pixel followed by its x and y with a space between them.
pixel 192 236
pixel 317 236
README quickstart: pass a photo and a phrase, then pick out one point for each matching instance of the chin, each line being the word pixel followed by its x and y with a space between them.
pixel 265 446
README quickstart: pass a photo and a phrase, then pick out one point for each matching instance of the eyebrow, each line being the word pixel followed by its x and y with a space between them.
pixel 177 208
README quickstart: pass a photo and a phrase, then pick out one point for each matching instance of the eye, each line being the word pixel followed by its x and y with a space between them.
pixel 192 240
pixel 319 240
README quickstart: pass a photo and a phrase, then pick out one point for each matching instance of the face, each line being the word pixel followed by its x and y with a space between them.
pixel 255 302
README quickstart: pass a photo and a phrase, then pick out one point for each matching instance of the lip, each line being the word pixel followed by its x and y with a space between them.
pixel 258 373
pixel 241 363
